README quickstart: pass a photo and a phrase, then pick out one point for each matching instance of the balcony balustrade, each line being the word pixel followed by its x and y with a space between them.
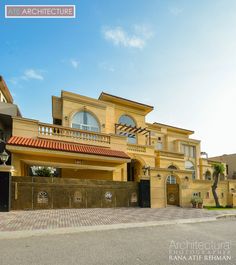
pixel 136 148
pixel 61 132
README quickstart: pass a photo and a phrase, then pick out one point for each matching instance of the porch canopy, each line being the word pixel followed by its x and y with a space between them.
pixel 91 161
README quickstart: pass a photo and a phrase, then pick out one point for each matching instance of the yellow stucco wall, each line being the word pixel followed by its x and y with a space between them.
pixel 108 114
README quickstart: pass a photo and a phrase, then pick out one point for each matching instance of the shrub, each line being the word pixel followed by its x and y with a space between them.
pixel 44 172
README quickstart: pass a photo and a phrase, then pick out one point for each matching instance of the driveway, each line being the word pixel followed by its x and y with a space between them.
pixel 64 218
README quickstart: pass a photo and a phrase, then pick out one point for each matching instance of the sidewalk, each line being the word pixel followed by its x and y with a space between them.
pixel 99 219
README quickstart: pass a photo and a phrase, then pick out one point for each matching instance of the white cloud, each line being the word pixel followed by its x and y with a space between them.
pixel 175 11
pixel 119 37
pixel 32 74
pixel 74 63
pixel 106 66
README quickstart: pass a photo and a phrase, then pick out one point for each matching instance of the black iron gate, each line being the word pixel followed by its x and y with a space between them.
pixel 5 179
pixel 144 193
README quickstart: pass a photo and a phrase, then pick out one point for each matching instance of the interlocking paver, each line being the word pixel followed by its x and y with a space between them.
pixel 62 218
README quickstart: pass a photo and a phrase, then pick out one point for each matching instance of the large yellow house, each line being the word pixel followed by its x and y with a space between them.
pixel 109 140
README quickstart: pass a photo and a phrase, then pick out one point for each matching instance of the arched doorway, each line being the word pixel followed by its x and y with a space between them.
pixel 134 170
pixel 172 190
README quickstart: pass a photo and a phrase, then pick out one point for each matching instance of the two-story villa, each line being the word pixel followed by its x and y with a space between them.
pixel 107 140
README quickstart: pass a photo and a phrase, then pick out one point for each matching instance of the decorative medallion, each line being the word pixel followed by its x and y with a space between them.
pixel 134 197
pixel 42 197
pixel 171 197
pixel 108 196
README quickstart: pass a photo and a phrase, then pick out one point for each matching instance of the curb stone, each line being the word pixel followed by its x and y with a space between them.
pixel 226 216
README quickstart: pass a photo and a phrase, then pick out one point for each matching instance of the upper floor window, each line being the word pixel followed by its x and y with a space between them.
pixel 127 120
pixel 85 121
pixel 159 146
pixel 190 166
pixel 188 150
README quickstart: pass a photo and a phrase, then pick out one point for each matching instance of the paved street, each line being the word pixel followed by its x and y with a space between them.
pixel 52 219
pixel 131 246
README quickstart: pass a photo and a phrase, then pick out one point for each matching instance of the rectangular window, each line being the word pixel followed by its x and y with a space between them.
pixel 159 146
pixel 208 195
pixel 188 150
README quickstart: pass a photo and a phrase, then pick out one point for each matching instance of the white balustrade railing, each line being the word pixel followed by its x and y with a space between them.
pixel 60 131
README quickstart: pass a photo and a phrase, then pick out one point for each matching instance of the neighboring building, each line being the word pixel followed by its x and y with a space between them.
pixel 230 161
pixel 7 111
pixel 107 139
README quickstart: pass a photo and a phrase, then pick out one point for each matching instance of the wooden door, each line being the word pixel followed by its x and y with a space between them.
pixel 173 194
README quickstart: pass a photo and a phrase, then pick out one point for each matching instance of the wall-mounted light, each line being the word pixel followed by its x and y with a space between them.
pixel 66 118
pixel 159 176
pixel 232 190
pixel 186 178
pixel 4 157
pixel 103 125
pixel 146 169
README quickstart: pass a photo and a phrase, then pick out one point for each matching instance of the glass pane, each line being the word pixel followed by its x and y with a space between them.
pixel 171 180
pixel 85 121
pixel 132 139
pixel 159 146
pixel 189 165
pixel 124 119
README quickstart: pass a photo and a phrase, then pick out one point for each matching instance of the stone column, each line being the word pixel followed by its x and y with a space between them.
pixel 5 188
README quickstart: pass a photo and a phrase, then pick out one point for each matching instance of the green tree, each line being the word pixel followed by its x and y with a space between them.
pixel 219 169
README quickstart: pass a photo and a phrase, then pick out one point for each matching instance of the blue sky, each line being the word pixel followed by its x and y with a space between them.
pixel 179 56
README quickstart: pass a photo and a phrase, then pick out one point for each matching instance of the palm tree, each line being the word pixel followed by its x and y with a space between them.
pixel 219 169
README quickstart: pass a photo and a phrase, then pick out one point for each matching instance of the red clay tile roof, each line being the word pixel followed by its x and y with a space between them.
pixel 65 146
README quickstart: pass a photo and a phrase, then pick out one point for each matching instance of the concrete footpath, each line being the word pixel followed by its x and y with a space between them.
pixel 17 224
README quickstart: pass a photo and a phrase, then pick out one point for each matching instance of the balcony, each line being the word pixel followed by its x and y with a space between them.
pixel 69 134
pixel 168 153
pixel 34 129
pixel 140 149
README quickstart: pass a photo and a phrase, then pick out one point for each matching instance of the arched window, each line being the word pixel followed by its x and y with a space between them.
pixel 190 166
pixel 172 167
pixel 84 120
pixel 171 180
pixel 127 120
pixel 208 175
